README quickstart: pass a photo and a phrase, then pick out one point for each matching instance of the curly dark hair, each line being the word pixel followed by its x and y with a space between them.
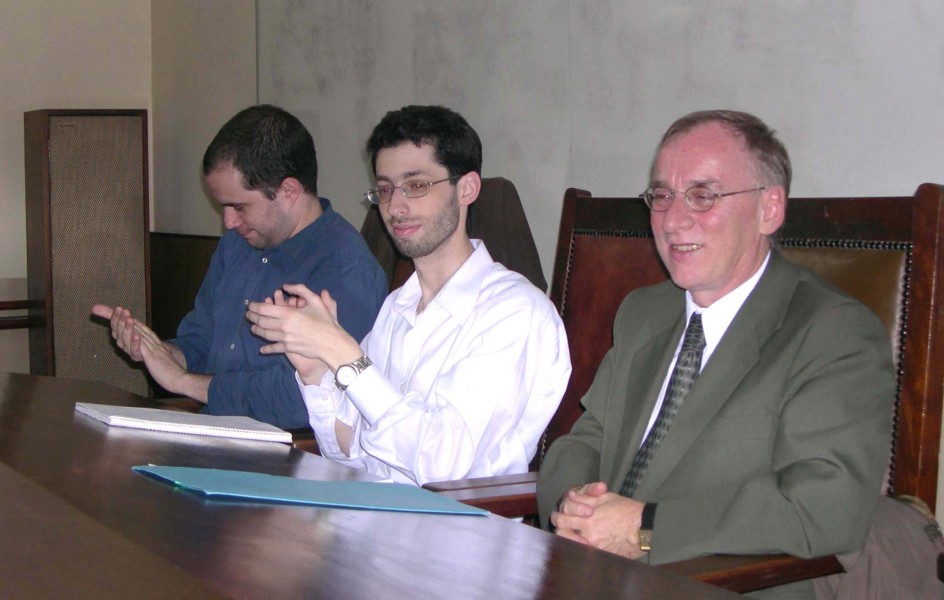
pixel 457 146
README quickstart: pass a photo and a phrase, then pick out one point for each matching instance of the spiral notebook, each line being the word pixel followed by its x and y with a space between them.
pixel 156 419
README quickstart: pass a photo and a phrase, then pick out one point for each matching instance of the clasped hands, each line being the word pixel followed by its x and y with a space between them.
pixel 304 326
pixel 591 515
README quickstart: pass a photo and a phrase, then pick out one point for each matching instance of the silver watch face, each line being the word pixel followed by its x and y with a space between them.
pixel 345 375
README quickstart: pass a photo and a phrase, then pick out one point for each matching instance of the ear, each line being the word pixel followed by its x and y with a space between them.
pixel 290 190
pixel 468 187
pixel 773 209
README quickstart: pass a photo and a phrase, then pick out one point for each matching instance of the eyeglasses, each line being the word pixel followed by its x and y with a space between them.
pixel 698 197
pixel 414 188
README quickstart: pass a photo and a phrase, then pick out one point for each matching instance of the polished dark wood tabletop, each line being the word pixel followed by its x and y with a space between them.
pixel 106 523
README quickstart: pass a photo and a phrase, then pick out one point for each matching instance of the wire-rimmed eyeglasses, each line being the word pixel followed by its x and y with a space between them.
pixel 414 188
pixel 698 197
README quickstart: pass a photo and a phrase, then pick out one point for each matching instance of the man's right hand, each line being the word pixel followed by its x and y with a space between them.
pixel 122 329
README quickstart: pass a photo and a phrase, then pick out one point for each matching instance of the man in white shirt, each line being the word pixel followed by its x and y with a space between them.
pixel 466 363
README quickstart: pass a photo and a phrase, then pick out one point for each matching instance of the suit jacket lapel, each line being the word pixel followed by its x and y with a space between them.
pixel 735 356
pixel 646 375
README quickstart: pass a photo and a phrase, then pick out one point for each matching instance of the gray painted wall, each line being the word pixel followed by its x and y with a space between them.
pixel 577 92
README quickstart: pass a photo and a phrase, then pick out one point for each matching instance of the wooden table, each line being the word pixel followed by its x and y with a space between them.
pixel 75 520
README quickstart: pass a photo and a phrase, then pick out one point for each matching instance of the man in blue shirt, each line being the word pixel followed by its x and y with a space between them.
pixel 262 170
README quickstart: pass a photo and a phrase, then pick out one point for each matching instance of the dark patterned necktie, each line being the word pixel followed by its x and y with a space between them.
pixel 683 376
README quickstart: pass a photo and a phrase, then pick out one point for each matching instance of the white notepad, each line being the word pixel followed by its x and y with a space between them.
pixel 157 419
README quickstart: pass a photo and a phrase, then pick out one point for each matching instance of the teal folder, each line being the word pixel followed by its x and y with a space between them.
pixel 369 495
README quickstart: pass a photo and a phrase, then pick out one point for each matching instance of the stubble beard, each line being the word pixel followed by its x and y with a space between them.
pixel 441 229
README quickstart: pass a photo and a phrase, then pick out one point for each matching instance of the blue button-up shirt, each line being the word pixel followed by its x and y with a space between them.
pixel 215 336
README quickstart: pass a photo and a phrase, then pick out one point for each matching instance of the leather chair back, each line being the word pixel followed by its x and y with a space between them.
pixel 886 252
pixel 496 217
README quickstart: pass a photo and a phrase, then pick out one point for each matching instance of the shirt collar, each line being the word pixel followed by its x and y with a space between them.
pixel 460 293
pixel 299 242
pixel 716 318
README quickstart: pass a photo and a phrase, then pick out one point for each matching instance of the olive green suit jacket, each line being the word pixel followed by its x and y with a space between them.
pixel 782 441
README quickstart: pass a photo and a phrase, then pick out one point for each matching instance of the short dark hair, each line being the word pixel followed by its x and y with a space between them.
pixel 456 145
pixel 265 144
pixel 770 156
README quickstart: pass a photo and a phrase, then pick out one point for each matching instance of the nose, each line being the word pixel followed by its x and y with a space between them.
pixel 398 205
pixel 230 218
pixel 679 216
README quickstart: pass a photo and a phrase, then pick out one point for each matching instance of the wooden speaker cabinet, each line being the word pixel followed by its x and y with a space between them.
pixel 87 238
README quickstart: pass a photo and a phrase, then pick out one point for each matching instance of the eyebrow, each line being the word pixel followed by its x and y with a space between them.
pixel 406 176
pixel 691 184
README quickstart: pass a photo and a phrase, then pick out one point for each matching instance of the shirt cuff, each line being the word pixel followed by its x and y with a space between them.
pixel 318 397
pixel 373 394
pixel 649 515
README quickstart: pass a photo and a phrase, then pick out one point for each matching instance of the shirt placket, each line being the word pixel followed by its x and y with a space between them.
pixel 256 276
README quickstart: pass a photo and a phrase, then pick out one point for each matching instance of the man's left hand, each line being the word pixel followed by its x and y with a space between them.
pixel 164 367
pixel 592 515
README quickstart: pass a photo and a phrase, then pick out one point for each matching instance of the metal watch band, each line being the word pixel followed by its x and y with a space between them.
pixel 356 367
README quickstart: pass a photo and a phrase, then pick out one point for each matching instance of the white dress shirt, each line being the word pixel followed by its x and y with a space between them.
pixel 715 320
pixel 463 389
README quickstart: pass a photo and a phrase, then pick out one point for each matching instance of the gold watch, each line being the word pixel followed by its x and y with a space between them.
pixel 645 540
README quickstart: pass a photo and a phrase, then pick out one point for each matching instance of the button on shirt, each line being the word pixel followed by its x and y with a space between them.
pixel 215 336
pixel 463 389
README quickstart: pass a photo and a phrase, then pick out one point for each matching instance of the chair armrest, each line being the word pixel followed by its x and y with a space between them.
pixel 740 573
pixel 509 496
pixel 304 438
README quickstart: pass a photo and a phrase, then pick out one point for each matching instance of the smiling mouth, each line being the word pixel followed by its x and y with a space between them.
pixel 686 247
pixel 401 229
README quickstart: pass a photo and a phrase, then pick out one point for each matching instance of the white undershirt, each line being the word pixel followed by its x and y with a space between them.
pixel 715 320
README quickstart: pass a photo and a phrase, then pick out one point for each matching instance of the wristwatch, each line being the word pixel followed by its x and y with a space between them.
pixel 645 529
pixel 645 540
pixel 346 374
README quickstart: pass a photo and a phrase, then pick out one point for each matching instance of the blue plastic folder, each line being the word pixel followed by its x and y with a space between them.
pixel 369 495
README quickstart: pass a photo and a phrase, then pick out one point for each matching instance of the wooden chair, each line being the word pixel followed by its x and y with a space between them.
pixel 885 251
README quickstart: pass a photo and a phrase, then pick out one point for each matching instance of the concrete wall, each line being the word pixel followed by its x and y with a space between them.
pixel 577 92
pixel 204 72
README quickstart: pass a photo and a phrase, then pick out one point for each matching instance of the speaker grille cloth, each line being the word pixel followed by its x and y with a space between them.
pixel 97 241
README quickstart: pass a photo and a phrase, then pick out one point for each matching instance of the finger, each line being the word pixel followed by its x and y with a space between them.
pixel 300 290
pixel 273 335
pixel 264 309
pixel 276 348
pixel 278 298
pixel 144 331
pixel 135 350
pixel 105 312
pixel 576 508
pixel 572 534
pixel 330 304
